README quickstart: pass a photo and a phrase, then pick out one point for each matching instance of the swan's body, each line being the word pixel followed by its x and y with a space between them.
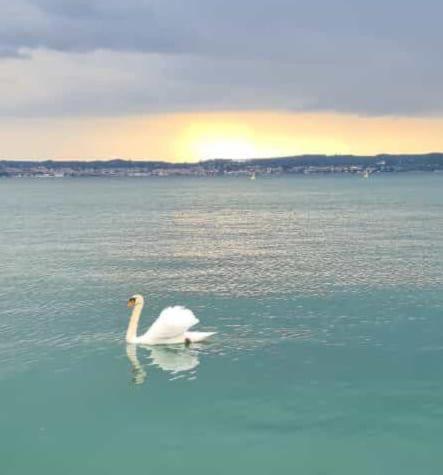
pixel 170 328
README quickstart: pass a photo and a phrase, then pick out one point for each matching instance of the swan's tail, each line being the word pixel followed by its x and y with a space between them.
pixel 195 337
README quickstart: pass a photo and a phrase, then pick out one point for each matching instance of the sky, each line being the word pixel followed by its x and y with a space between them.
pixel 186 80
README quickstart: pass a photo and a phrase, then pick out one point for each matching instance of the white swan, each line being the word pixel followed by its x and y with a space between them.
pixel 170 328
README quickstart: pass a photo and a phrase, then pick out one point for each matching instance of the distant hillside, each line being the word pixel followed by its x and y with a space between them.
pixel 424 161
pixel 295 164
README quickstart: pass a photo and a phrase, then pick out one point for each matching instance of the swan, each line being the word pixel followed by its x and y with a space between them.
pixel 170 328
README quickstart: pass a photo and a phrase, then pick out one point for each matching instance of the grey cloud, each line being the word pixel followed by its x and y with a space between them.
pixel 9 52
pixel 250 27
pixel 378 57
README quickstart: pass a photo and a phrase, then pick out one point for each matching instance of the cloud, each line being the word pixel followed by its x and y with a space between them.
pixel 252 28
pixel 109 57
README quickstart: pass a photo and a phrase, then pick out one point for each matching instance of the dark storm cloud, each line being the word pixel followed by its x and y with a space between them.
pixel 355 56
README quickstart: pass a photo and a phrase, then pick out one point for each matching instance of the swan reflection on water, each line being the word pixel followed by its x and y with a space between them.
pixel 177 361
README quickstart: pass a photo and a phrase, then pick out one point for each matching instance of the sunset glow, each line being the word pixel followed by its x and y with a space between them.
pixel 238 135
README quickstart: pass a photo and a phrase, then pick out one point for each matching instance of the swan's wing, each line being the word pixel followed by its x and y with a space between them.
pixel 172 322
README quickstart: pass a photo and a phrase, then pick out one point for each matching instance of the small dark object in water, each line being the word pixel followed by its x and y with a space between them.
pixel 187 342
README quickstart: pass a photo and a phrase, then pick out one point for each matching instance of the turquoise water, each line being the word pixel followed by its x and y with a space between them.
pixel 326 293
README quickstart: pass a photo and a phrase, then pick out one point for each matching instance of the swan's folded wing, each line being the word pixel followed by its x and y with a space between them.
pixel 172 322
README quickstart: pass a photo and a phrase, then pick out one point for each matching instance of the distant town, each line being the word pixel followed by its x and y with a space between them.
pixel 300 165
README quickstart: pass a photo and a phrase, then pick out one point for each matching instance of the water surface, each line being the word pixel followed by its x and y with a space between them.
pixel 325 291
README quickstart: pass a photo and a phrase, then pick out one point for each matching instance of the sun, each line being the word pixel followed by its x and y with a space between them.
pixel 209 139
pixel 224 147
pixel 239 136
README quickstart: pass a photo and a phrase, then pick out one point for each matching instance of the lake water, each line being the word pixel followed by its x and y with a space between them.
pixel 326 293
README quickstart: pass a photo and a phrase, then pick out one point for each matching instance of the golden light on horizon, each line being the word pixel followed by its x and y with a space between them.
pixel 253 135
pixel 242 135
pixel 224 148
pixel 191 137
pixel 208 139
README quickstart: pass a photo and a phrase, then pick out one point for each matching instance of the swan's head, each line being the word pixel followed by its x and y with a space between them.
pixel 136 300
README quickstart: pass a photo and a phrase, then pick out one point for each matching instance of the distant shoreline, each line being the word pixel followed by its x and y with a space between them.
pixel 296 165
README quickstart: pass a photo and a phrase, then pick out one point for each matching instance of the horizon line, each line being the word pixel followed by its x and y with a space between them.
pixel 239 160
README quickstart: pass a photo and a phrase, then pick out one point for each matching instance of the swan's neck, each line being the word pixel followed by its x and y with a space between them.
pixel 131 333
